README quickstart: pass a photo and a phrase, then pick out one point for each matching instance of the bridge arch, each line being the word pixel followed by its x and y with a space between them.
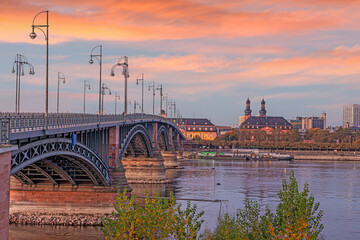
pixel 163 138
pixel 137 142
pixel 57 161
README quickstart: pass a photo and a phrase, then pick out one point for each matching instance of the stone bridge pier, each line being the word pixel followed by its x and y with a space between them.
pixel 142 159
pixel 5 162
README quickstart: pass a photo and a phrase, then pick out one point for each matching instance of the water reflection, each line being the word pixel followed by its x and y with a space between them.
pixel 334 184
pixel 35 232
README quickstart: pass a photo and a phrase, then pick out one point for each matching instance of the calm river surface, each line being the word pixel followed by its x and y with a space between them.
pixel 336 185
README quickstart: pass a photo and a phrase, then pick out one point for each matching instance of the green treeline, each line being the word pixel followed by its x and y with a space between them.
pixel 314 139
pixel 297 216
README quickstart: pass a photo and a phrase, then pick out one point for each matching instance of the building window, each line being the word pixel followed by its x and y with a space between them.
pixel 193 128
pixel 210 129
pixel 189 128
pixel 205 122
pixel 206 129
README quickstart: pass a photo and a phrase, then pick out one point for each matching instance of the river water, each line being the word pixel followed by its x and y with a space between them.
pixel 336 185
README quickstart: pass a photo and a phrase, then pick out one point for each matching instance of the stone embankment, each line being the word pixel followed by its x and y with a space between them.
pixel 57 219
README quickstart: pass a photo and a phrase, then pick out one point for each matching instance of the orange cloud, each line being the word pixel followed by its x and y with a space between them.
pixel 158 19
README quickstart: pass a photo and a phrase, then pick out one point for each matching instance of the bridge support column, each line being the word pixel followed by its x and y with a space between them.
pixel 141 169
pixel 117 171
pixel 170 158
pixel 5 162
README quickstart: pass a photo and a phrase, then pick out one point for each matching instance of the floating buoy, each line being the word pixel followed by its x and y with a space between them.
pixel 218 184
pixel 285 170
pixel 269 161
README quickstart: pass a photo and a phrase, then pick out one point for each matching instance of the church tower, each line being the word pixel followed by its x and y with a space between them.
pixel 247 110
pixel 262 111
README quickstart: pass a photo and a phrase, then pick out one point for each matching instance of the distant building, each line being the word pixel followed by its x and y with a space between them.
pixel 262 121
pixel 297 122
pixel 314 122
pixel 306 123
pixel 192 127
pixel 222 130
pixel 351 115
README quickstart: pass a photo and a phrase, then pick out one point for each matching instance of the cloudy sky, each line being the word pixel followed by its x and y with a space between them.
pixel 302 56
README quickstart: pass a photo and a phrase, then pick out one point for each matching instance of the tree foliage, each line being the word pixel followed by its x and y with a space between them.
pixel 297 216
pixel 159 218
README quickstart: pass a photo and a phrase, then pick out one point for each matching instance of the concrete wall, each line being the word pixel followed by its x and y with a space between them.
pixel 5 161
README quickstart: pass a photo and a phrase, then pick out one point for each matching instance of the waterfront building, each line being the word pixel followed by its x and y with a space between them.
pixel 297 122
pixel 193 127
pixel 305 123
pixel 351 115
pixel 222 130
pixel 263 122
pixel 314 122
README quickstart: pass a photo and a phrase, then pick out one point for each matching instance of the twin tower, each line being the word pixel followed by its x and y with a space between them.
pixel 248 110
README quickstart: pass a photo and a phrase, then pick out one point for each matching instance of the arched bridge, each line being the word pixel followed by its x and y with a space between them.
pixel 89 150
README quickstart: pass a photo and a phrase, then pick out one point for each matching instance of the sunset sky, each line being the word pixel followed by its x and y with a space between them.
pixel 302 56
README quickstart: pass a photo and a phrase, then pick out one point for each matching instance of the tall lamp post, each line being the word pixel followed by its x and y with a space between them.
pixel 123 62
pixel 61 76
pixel 160 89
pixel 86 85
pixel 91 61
pixel 32 36
pixel 117 97
pixel 140 78
pixel 166 102
pixel 20 61
pixel 103 88
pixel 135 105
pixel 172 105
pixel 152 86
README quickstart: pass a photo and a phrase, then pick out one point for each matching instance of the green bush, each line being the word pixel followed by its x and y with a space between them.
pixel 159 218
pixel 297 216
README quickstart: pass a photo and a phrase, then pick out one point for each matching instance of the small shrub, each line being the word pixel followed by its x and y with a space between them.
pixel 297 216
pixel 160 218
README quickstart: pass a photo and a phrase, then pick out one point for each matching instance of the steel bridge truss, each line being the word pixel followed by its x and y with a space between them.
pixel 57 161
pixel 136 143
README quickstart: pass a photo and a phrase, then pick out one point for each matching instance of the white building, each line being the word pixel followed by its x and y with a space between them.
pixel 351 115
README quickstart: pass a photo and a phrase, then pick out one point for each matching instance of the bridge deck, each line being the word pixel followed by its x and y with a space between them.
pixel 28 125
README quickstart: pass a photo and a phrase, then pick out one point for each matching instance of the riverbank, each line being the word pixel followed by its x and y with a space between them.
pixel 299 155
pixel 57 219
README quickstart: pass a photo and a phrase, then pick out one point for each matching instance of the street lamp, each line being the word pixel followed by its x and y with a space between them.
pixel 166 102
pixel 99 58
pixel 117 97
pixel 32 36
pixel 103 88
pixel 160 88
pixel 20 61
pixel 172 105
pixel 135 105
pixel 123 62
pixel 61 76
pixel 153 89
pixel 140 78
pixel 86 85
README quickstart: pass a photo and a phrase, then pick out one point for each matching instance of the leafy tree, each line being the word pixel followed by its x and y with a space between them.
pixel 297 216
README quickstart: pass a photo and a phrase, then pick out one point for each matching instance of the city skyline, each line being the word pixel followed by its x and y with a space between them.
pixel 302 57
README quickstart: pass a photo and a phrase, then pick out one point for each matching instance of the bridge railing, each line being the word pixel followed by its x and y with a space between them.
pixel 4 130
pixel 24 122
